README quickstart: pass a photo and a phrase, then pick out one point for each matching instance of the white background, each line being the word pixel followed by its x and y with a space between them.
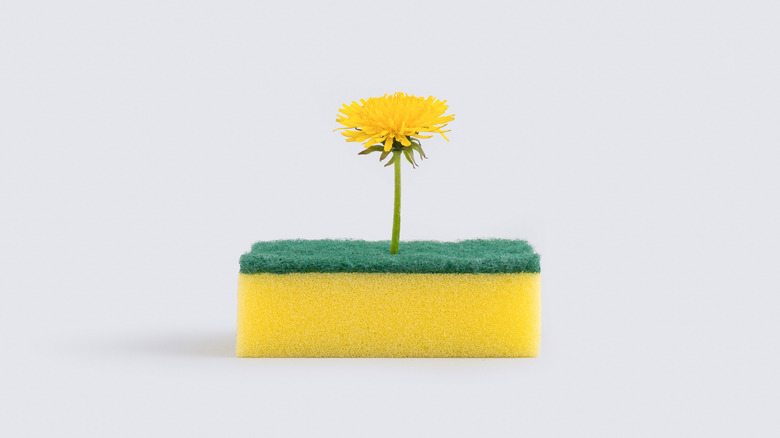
pixel 146 144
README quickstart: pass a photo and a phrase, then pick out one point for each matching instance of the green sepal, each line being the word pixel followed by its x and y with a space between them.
pixel 384 155
pixel 368 150
pixel 410 157
pixel 392 160
pixel 417 147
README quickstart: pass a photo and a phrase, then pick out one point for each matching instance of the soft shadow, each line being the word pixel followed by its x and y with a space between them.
pixel 171 345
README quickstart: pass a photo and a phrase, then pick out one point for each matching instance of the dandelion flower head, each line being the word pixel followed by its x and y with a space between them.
pixel 393 118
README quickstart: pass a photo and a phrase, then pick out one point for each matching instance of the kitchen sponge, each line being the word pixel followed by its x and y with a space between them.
pixel 296 304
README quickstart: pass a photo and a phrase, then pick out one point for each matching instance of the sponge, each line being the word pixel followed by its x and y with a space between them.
pixel 325 298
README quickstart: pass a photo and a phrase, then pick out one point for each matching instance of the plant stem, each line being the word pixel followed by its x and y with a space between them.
pixel 397 206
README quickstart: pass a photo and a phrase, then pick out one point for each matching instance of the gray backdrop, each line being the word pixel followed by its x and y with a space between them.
pixel 146 144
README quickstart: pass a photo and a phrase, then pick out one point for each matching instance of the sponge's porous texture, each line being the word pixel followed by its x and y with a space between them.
pixel 388 315
pixel 478 256
pixel 351 298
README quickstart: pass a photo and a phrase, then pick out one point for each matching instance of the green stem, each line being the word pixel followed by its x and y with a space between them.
pixel 397 206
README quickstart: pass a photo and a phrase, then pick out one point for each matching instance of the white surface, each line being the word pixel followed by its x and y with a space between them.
pixel 146 145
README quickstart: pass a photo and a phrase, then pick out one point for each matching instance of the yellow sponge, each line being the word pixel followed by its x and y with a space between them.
pixel 317 314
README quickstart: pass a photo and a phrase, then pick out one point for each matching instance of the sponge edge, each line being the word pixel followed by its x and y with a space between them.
pixel 388 315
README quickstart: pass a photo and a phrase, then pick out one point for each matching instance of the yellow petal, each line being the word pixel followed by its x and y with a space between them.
pixel 373 140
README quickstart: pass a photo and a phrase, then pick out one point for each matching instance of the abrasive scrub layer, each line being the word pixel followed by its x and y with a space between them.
pixel 296 299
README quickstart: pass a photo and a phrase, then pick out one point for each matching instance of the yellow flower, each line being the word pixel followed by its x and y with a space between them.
pixel 393 117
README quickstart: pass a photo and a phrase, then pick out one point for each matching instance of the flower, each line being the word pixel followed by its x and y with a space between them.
pixel 398 117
